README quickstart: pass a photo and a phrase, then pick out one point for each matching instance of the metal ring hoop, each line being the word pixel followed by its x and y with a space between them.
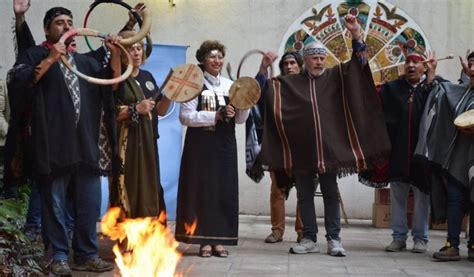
pixel 248 54
pixel 93 33
pixel 144 24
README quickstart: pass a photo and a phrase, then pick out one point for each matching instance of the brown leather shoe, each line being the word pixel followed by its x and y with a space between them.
pixel 274 237
pixel 299 236
pixel 447 253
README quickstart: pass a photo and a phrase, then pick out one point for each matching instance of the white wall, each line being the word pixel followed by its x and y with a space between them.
pixel 243 25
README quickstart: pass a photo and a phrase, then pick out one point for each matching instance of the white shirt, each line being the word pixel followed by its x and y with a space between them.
pixel 189 116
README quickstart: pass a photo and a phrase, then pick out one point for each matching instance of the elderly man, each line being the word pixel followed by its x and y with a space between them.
pixel 327 122
pixel 66 119
pixel 403 101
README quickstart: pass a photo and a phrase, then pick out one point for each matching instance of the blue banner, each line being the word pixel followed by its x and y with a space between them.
pixel 159 63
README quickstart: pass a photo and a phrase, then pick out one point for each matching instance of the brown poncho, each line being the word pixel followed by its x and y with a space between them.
pixel 331 123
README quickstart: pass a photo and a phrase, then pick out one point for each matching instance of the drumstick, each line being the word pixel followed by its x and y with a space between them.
pixel 229 72
pixel 160 89
pixel 425 61
pixel 449 57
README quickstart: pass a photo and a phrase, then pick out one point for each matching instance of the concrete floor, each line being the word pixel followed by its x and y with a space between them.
pixel 363 243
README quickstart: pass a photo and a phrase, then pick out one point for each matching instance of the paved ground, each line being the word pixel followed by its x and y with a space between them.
pixel 364 244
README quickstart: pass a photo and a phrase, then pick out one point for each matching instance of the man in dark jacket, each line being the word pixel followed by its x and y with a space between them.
pixel 403 102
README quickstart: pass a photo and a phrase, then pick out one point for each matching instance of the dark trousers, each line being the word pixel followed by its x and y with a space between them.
pixel 457 201
pixel 305 189
pixel 7 190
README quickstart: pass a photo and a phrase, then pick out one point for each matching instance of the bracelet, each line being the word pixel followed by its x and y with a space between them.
pixel 119 109
pixel 132 111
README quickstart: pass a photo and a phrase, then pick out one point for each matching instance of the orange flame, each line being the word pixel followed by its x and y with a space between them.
pixel 189 229
pixel 151 247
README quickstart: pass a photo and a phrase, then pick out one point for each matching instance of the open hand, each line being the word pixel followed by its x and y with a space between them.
pixel 131 19
pixel 20 7
pixel 465 63
pixel 267 61
pixel 431 64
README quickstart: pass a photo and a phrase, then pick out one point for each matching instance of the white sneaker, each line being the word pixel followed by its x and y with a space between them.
pixel 419 246
pixel 335 248
pixel 305 246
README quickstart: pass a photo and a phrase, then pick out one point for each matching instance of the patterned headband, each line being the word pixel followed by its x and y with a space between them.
pixel 289 55
pixel 314 49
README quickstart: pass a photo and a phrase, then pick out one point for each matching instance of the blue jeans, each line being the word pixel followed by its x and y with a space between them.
pixel 305 189
pixel 399 196
pixel 85 198
pixel 458 198
pixel 33 217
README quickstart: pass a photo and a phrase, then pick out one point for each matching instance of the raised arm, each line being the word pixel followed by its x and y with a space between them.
pixel 131 22
pixel 431 65
pixel 268 59
pixel 467 68
pixel 358 45
pixel 115 62
pixel 24 38
pixel 20 7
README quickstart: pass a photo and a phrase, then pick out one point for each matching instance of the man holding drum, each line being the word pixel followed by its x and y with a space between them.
pixel 451 147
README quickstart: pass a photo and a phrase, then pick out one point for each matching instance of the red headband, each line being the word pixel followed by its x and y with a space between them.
pixel 414 57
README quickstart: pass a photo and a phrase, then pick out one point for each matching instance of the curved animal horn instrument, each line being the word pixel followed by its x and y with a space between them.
pixel 93 33
pixel 144 23
pixel 248 54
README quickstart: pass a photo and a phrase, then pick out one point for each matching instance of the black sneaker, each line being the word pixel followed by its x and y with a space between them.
pixel 94 265
pixel 60 268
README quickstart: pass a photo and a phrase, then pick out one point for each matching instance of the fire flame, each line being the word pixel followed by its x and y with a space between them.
pixel 150 246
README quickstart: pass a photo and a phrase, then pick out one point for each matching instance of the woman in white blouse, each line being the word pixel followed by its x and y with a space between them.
pixel 208 182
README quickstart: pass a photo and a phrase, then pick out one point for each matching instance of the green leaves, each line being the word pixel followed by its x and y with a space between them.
pixel 18 255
